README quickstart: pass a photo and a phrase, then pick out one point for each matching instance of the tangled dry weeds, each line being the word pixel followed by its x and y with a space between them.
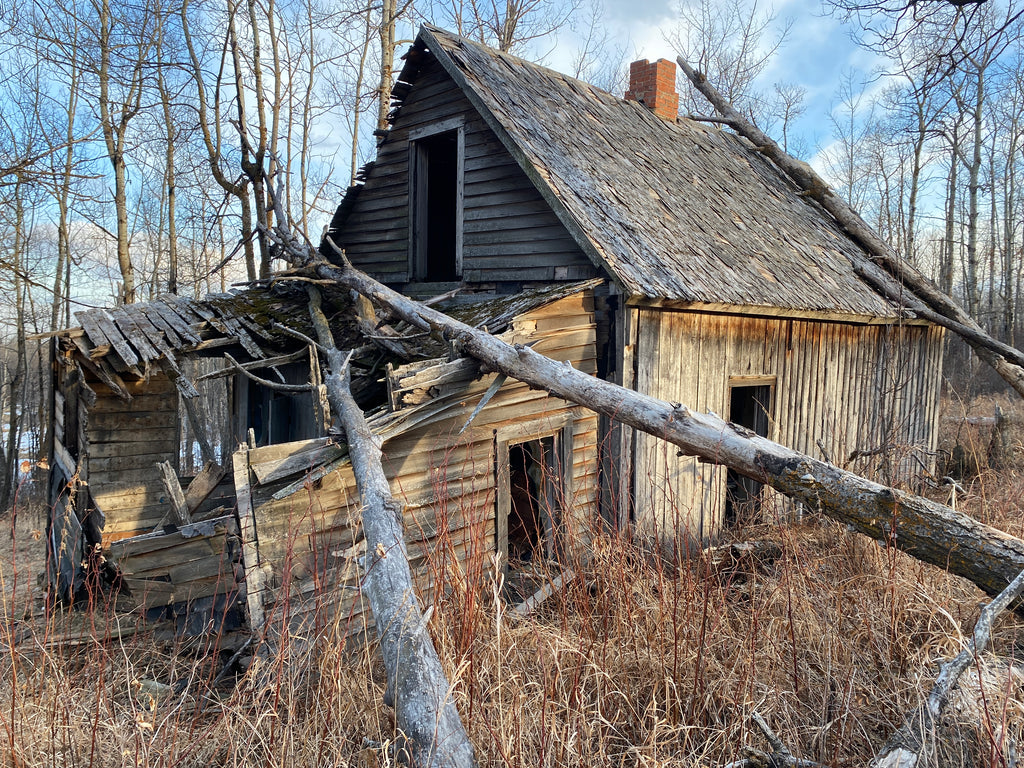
pixel 833 639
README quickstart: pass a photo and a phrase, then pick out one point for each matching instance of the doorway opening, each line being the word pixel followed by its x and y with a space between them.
pixel 436 193
pixel 750 407
pixel 533 494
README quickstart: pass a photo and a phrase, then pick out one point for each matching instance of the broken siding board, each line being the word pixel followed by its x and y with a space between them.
pixel 268 471
pixel 147 420
pixel 177 552
pixel 154 593
pixel 251 565
pixel 122 463
pixel 194 540
pixel 106 450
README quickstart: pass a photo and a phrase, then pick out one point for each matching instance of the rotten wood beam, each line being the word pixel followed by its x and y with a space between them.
pixel 176 495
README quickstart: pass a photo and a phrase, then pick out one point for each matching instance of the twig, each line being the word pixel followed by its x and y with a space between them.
pixel 265 382
pixel 264 363
pixel 779 757
pixel 906 745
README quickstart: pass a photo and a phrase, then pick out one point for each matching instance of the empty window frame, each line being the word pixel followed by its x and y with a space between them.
pixel 533 469
pixel 750 406
pixel 436 162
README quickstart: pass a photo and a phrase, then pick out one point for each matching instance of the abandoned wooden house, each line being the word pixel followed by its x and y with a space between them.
pixel 724 287
pixel 605 232
pixel 273 515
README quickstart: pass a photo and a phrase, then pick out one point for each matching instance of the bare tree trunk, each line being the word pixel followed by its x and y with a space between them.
pixel 358 90
pixel 171 134
pixel 16 385
pixel 931 303
pixel 115 117
pixel 949 239
pixel 972 288
pixel 388 18
pixel 417 686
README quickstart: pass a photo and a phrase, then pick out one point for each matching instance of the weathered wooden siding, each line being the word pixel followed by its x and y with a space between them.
pixel 310 540
pixel 196 561
pixel 837 387
pixel 509 232
pixel 125 440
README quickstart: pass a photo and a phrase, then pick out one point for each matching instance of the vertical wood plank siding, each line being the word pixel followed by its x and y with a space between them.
pixel 509 232
pixel 310 541
pixel 849 386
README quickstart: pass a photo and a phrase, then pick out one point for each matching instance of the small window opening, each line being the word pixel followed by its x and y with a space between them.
pixel 436 208
pixel 750 407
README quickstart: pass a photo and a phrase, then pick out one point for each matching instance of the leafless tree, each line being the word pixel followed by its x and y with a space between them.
pixel 731 43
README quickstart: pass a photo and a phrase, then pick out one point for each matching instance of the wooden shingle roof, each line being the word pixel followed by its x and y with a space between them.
pixel 673 210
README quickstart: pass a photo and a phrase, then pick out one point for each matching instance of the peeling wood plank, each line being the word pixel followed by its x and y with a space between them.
pixel 254 574
pixel 125 319
pixel 302 461
pixel 203 484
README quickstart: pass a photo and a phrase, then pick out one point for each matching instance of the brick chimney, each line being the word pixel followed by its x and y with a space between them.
pixel 654 86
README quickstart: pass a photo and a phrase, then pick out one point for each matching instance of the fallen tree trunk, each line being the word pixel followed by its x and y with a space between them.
pixel 924 298
pixel 430 730
pixel 924 529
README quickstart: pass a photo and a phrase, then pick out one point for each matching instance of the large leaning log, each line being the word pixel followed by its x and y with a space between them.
pixel 930 532
pixel 915 291
pixel 431 732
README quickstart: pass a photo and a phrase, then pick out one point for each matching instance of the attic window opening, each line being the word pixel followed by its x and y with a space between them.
pixel 436 162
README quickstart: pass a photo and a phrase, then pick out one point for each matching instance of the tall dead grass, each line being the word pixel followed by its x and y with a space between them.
pixel 639 661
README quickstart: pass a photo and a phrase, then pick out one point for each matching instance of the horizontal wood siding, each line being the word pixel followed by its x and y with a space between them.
pixel 125 439
pixel 194 562
pixel 837 388
pixel 509 232
pixel 310 540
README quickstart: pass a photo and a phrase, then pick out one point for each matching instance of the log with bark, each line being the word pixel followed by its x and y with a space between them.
pixel 431 731
pixel 893 277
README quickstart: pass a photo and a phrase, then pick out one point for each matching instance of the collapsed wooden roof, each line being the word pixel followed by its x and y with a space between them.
pixel 133 340
pixel 673 210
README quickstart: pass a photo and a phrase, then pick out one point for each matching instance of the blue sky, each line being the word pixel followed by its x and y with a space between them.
pixel 817 52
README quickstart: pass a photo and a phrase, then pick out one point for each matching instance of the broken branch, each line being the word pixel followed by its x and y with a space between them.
pixel 905 748
pixel 265 382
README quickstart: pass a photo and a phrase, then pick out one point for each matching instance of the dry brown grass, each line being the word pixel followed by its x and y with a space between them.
pixel 639 662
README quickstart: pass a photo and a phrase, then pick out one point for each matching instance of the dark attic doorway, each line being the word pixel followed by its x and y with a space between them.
pixel 749 406
pixel 436 193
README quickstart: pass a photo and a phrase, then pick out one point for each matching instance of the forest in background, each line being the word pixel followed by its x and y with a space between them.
pixel 138 139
